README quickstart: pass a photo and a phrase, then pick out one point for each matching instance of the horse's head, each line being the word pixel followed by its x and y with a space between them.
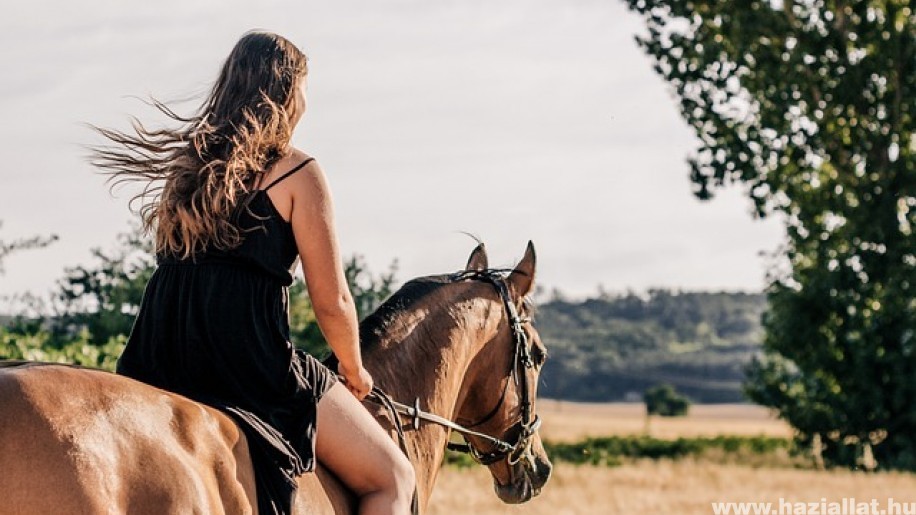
pixel 501 384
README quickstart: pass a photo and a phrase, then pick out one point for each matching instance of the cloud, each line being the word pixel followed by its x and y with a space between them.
pixel 515 120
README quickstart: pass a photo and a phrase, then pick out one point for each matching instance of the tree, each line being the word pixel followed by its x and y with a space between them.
pixel 368 293
pixel 35 242
pixel 368 290
pixel 809 104
pixel 103 299
pixel 663 400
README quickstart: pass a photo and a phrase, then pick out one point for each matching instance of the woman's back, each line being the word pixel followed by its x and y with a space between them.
pixel 268 243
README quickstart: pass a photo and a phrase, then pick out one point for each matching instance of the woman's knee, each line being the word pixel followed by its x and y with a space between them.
pixel 397 473
pixel 403 473
pixel 357 449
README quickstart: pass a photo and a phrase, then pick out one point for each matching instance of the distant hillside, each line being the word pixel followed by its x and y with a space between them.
pixel 614 348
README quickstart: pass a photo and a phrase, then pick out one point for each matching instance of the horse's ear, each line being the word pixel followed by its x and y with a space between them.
pixel 521 279
pixel 478 259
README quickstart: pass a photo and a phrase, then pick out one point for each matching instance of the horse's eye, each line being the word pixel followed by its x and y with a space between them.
pixel 539 355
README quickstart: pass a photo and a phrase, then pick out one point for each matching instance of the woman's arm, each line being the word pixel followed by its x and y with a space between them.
pixel 312 219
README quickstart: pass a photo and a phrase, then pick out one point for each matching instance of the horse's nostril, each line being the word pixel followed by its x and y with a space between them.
pixel 546 467
pixel 541 473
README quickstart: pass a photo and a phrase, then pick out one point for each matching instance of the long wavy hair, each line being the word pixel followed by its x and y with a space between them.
pixel 197 176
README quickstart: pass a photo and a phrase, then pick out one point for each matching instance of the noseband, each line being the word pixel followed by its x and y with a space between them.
pixel 528 422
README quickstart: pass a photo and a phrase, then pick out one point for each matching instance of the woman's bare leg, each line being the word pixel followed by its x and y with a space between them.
pixel 355 448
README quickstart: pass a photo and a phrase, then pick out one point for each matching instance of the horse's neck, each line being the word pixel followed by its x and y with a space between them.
pixel 427 360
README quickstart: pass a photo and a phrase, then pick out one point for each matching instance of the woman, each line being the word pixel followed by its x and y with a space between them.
pixel 232 205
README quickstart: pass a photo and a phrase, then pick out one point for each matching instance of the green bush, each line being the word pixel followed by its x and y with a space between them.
pixel 36 346
pixel 611 451
pixel 665 401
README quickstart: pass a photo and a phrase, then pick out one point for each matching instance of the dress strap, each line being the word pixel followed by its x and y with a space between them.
pixel 287 174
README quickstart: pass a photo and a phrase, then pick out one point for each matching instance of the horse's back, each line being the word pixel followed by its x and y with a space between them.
pixel 76 440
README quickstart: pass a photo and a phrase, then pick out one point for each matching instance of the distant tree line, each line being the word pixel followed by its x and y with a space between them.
pixel 615 347
pixel 602 349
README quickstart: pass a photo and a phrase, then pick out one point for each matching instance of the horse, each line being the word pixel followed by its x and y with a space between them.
pixel 460 348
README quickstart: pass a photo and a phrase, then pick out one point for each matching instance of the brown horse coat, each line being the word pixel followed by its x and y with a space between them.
pixel 119 458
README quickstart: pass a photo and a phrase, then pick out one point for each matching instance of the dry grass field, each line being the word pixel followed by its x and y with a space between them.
pixel 680 487
pixel 661 487
pixel 572 421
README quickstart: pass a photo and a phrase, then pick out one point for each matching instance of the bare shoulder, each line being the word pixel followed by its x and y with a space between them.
pixel 298 155
pixel 310 181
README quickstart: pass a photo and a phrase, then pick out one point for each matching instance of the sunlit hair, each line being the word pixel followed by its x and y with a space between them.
pixel 197 175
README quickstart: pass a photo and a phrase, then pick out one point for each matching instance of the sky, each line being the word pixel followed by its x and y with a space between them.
pixel 515 120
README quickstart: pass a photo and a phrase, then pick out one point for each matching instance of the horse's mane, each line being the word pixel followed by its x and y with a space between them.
pixel 376 324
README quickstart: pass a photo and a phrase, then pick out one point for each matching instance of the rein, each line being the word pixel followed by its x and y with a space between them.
pixel 503 447
pixel 528 423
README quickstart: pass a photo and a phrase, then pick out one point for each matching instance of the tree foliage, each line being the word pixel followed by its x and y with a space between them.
pixel 35 242
pixel 34 343
pixel 368 291
pixel 102 299
pixel 809 104
pixel 664 401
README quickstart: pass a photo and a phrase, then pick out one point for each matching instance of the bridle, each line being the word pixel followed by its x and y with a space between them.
pixel 528 422
pixel 521 362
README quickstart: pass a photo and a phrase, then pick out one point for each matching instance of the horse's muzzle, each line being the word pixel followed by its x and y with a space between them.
pixel 528 477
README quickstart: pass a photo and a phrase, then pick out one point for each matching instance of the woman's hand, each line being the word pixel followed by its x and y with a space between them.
pixel 358 380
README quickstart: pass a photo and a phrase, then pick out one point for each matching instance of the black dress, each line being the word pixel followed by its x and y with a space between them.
pixel 215 328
